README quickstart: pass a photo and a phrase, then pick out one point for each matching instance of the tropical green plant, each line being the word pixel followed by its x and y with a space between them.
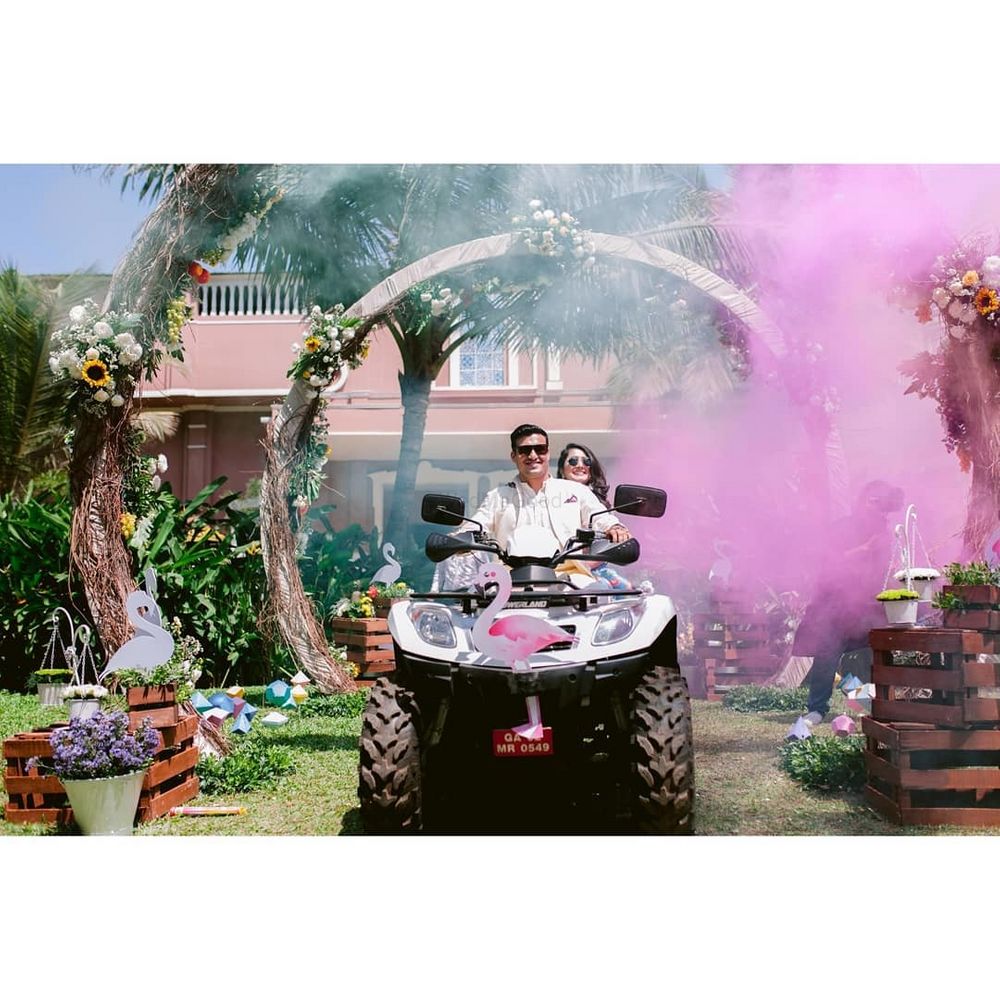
pixel 34 573
pixel 253 763
pixel 760 698
pixel 947 601
pixel 826 763
pixel 973 574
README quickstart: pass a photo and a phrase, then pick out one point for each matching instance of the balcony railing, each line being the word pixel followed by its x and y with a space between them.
pixel 245 295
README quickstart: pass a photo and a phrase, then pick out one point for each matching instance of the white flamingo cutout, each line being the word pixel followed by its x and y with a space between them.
pixel 389 573
pixel 151 646
pixel 513 638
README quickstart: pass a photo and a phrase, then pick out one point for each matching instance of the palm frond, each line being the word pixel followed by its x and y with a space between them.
pixel 157 424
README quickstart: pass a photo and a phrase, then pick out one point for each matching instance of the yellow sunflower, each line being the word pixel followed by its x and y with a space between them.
pixel 95 373
pixel 313 344
pixel 986 301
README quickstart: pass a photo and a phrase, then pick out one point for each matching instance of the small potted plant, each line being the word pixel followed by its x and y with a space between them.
pixel 51 683
pixel 102 766
pixel 900 606
pixel 84 700
pixel 386 595
pixel 919 578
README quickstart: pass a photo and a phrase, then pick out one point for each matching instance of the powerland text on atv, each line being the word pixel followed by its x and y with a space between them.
pixel 615 731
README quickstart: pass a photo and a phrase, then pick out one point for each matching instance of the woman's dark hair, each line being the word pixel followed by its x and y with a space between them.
pixel 598 484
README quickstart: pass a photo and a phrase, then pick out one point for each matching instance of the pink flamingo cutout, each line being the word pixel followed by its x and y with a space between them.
pixel 514 638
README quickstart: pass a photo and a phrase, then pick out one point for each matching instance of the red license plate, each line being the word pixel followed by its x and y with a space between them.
pixel 507 743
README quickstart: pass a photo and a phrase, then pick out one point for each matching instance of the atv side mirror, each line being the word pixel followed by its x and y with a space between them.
pixel 439 547
pixel 439 508
pixel 644 501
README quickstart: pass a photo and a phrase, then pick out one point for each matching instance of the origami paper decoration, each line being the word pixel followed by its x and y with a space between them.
pixel 242 723
pixel 299 694
pixel 843 725
pixel 274 719
pixel 235 691
pixel 249 710
pixel 238 705
pixel 215 716
pixel 200 702
pixel 849 683
pixel 799 731
pixel 222 701
pixel 301 678
pixel 277 693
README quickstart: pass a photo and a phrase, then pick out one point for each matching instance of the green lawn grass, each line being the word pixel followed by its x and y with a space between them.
pixel 741 789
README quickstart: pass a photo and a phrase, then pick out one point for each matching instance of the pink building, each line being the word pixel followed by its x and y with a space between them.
pixel 238 348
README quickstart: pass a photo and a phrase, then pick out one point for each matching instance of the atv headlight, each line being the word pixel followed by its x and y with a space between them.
pixel 613 625
pixel 433 625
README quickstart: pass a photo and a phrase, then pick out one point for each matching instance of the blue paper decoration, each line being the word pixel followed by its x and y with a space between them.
pixel 223 701
pixel 242 723
pixel 200 702
pixel 249 711
pixel 277 693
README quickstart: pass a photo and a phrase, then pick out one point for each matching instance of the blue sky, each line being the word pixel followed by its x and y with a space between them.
pixel 55 219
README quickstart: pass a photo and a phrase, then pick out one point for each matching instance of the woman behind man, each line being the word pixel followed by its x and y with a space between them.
pixel 580 465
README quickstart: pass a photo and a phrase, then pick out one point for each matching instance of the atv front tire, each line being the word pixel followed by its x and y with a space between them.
pixel 662 755
pixel 390 784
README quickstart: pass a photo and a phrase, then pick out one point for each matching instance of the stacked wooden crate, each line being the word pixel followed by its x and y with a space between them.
pixel 36 796
pixel 933 738
pixel 733 644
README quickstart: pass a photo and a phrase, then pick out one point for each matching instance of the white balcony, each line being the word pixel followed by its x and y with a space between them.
pixel 236 295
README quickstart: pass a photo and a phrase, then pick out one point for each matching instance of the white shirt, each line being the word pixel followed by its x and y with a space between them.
pixel 560 506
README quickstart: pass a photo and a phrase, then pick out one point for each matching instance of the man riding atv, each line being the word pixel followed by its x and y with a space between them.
pixel 440 742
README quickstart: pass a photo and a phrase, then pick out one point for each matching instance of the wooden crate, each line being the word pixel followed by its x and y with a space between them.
pixel 921 775
pixel 369 646
pixel 158 702
pixel 33 797
pixel 733 647
pixel 950 687
pixel 41 798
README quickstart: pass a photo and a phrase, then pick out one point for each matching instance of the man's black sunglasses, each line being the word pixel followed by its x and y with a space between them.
pixel 576 460
pixel 524 450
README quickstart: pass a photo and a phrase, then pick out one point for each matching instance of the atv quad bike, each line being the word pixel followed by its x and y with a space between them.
pixel 439 745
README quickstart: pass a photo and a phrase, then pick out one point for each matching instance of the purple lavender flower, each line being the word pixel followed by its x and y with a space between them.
pixel 102 747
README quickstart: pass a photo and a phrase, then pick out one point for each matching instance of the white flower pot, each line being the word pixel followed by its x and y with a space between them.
pixel 925 588
pixel 900 612
pixel 105 806
pixel 83 708
pixel 51 694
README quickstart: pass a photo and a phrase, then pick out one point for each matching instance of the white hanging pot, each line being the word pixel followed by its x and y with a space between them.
pixel 921 580
pixel 51 694
pixel 83 708
pixel 900 612
pixel 105 807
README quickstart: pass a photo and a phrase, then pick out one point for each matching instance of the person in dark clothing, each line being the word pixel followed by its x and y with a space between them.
pixel 843 609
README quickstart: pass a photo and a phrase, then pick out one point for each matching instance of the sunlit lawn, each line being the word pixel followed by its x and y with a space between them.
pixel 740 786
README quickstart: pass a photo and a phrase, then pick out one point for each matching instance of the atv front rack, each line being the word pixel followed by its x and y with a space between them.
pixel 581 600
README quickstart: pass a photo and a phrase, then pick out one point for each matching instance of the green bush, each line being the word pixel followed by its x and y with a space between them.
pixel 346 706
pixel 974 574
pixel 253 763
pixel 826 763
pixel 756 698
pixel 34 565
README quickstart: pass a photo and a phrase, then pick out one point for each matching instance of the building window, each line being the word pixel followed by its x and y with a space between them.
pixel 481 363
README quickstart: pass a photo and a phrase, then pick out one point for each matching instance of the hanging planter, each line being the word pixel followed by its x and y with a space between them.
pixel 84 700
pixel 900 606
pixel 921 579
pixel 52 685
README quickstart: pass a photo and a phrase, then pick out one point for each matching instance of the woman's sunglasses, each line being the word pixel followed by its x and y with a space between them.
pixel 575 461
pixel 524 450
